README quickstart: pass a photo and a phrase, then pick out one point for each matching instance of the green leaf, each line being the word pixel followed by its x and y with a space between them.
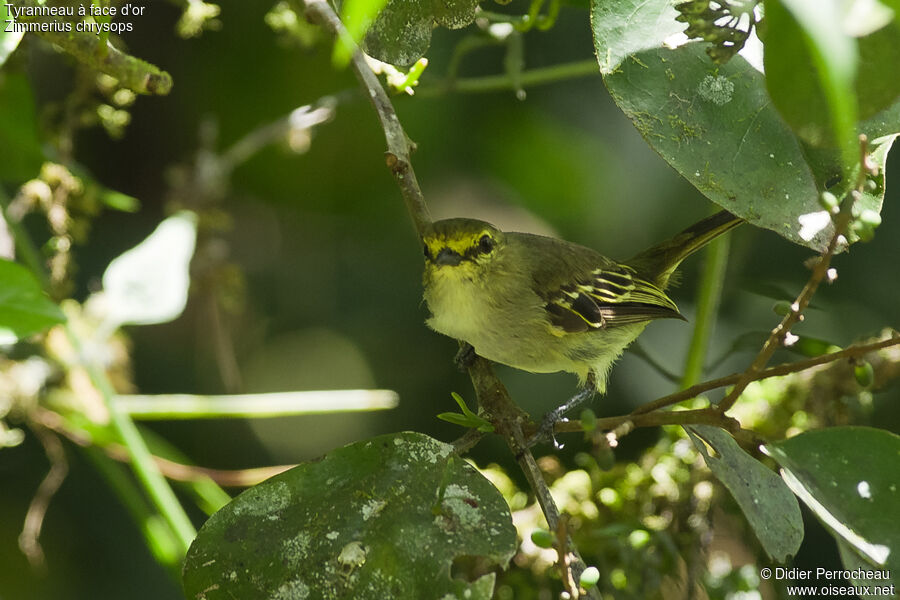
pixel 402 32
pixel 717 126
pixel 768 504
pixel 848 477
pixel 382 518
pixel 877 84
pixel 810 64
pixel 24 308
pixel 21 155
pixel 852 561
pixel 357 16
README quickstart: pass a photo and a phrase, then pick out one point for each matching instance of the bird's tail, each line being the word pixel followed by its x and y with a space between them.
pixel 659 262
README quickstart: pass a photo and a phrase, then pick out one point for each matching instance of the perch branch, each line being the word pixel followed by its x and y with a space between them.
pixel 650 414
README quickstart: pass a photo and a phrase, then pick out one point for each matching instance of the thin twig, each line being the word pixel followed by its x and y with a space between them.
pixel 777 337
pixel 173 470
pixel 398 152
pixel 508 421
pixel 650 415
pixel 29 539
pixel 504 82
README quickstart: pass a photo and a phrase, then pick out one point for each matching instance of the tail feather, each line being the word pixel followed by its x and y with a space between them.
pixel 659 262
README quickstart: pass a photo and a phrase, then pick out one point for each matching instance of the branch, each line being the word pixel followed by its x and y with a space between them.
pixel 778 335
pixel 398 152
pixel 508 420
pixel 496 83
pixel 173 470
pixel 506 417
pixel 131 72
pixel 650 415
pixel 29 540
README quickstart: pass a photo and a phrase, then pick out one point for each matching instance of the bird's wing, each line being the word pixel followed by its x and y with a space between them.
pixel 608 297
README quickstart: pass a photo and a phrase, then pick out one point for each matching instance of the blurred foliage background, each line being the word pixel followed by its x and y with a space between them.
pixel 314 265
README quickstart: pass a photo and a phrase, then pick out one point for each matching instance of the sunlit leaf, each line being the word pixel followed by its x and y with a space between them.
pixel 149 283
pixel 717 126
pixel 848 477
pixel 24 307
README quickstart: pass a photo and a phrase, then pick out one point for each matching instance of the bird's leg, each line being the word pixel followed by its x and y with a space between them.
pixel 465 357
pixel 545 430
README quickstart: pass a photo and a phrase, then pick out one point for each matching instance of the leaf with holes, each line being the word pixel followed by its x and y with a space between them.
pixel 382 518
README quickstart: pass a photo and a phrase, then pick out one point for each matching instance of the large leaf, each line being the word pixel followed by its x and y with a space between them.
pixel 848 476
pixel 24 308
pixel 382 518
pixel 765 500
pixel 716 124
pixel 402 32
pixel 859 566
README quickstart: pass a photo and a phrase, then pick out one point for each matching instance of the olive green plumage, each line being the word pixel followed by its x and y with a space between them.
pixel 543 305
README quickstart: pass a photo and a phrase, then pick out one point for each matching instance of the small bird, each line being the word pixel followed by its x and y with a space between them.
pixel 542 304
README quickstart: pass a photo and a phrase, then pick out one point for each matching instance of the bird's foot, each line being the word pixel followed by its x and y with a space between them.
pixel 545 429
pixel 465 357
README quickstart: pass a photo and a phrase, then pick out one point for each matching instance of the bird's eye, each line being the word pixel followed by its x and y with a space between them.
pixel 485 244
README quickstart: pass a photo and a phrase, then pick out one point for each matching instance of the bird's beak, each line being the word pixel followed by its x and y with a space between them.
pixel 448 257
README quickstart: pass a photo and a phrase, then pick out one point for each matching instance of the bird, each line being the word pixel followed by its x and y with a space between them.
pixel 542 304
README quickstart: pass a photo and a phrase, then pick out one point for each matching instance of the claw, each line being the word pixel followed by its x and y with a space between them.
pixel 545 430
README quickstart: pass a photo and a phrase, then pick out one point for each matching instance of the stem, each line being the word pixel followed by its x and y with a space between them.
pixel 637 416
pixel 145 468
pixel 160 540
pixel 709 296
pixel 131 72
pixel 528 78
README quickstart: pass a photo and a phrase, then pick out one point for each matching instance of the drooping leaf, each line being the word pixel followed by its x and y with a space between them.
pixel 149 283
pixel 382 518
pixel 848 476
pixel 770 507
pixel 24 307
pixel 402 32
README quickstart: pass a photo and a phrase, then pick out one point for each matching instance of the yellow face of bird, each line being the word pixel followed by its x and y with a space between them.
pixel 460 246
